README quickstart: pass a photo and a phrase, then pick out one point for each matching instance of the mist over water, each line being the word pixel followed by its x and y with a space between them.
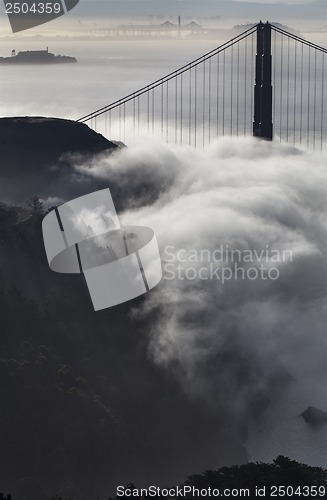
pixel 105 71
pixel 109 70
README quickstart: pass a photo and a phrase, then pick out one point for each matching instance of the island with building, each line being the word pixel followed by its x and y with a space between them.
pixel 36 57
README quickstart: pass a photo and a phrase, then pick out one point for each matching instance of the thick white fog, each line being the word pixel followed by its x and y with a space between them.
pixel 232 340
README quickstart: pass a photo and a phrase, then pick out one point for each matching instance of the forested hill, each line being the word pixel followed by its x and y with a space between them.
pixel 81 400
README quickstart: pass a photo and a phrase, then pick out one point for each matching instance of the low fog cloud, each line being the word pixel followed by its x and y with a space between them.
pixel 230 343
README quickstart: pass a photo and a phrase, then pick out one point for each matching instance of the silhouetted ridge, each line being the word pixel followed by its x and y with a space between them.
pixel 37 154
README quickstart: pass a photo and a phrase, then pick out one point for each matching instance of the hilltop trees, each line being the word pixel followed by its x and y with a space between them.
pixel 283 471
pixel 36 205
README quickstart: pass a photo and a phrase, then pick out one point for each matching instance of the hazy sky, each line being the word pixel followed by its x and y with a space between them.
pixel 305 9
pixel 206 7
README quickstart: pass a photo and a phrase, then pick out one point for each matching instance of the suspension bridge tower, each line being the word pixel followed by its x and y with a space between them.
pixel 262 124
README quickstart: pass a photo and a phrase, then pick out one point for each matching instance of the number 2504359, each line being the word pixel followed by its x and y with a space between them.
pixel 34 8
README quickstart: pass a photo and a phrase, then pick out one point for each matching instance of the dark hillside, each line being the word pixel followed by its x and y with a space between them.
pixel 35 151
pixel 81 400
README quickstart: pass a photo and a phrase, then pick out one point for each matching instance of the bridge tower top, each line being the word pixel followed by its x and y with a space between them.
pixel 262 123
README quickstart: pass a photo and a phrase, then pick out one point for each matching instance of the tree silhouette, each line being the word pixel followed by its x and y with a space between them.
pixel 283 471
pixel 36 205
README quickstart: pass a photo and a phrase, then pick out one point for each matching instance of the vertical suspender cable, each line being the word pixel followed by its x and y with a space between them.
pixel 322 100
pixel 153 101
pixel 190 109
pixel 195 114
pixel 224 66
pixel 176 107
pixel 238 83
pixel 124 113
pixel 245 84
pixel 203 102
pixel 308 107
pixel 148 108
pixel 209 102
pixel 288 87
pixel 301 93
pixel 181 109
pixel 281 88
pixel 119 114
pixel 134 116
pixel 218 83
pixel 314 102
pixel 295 90
pixel 162 108
pixel 167 111
pixel 231 89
